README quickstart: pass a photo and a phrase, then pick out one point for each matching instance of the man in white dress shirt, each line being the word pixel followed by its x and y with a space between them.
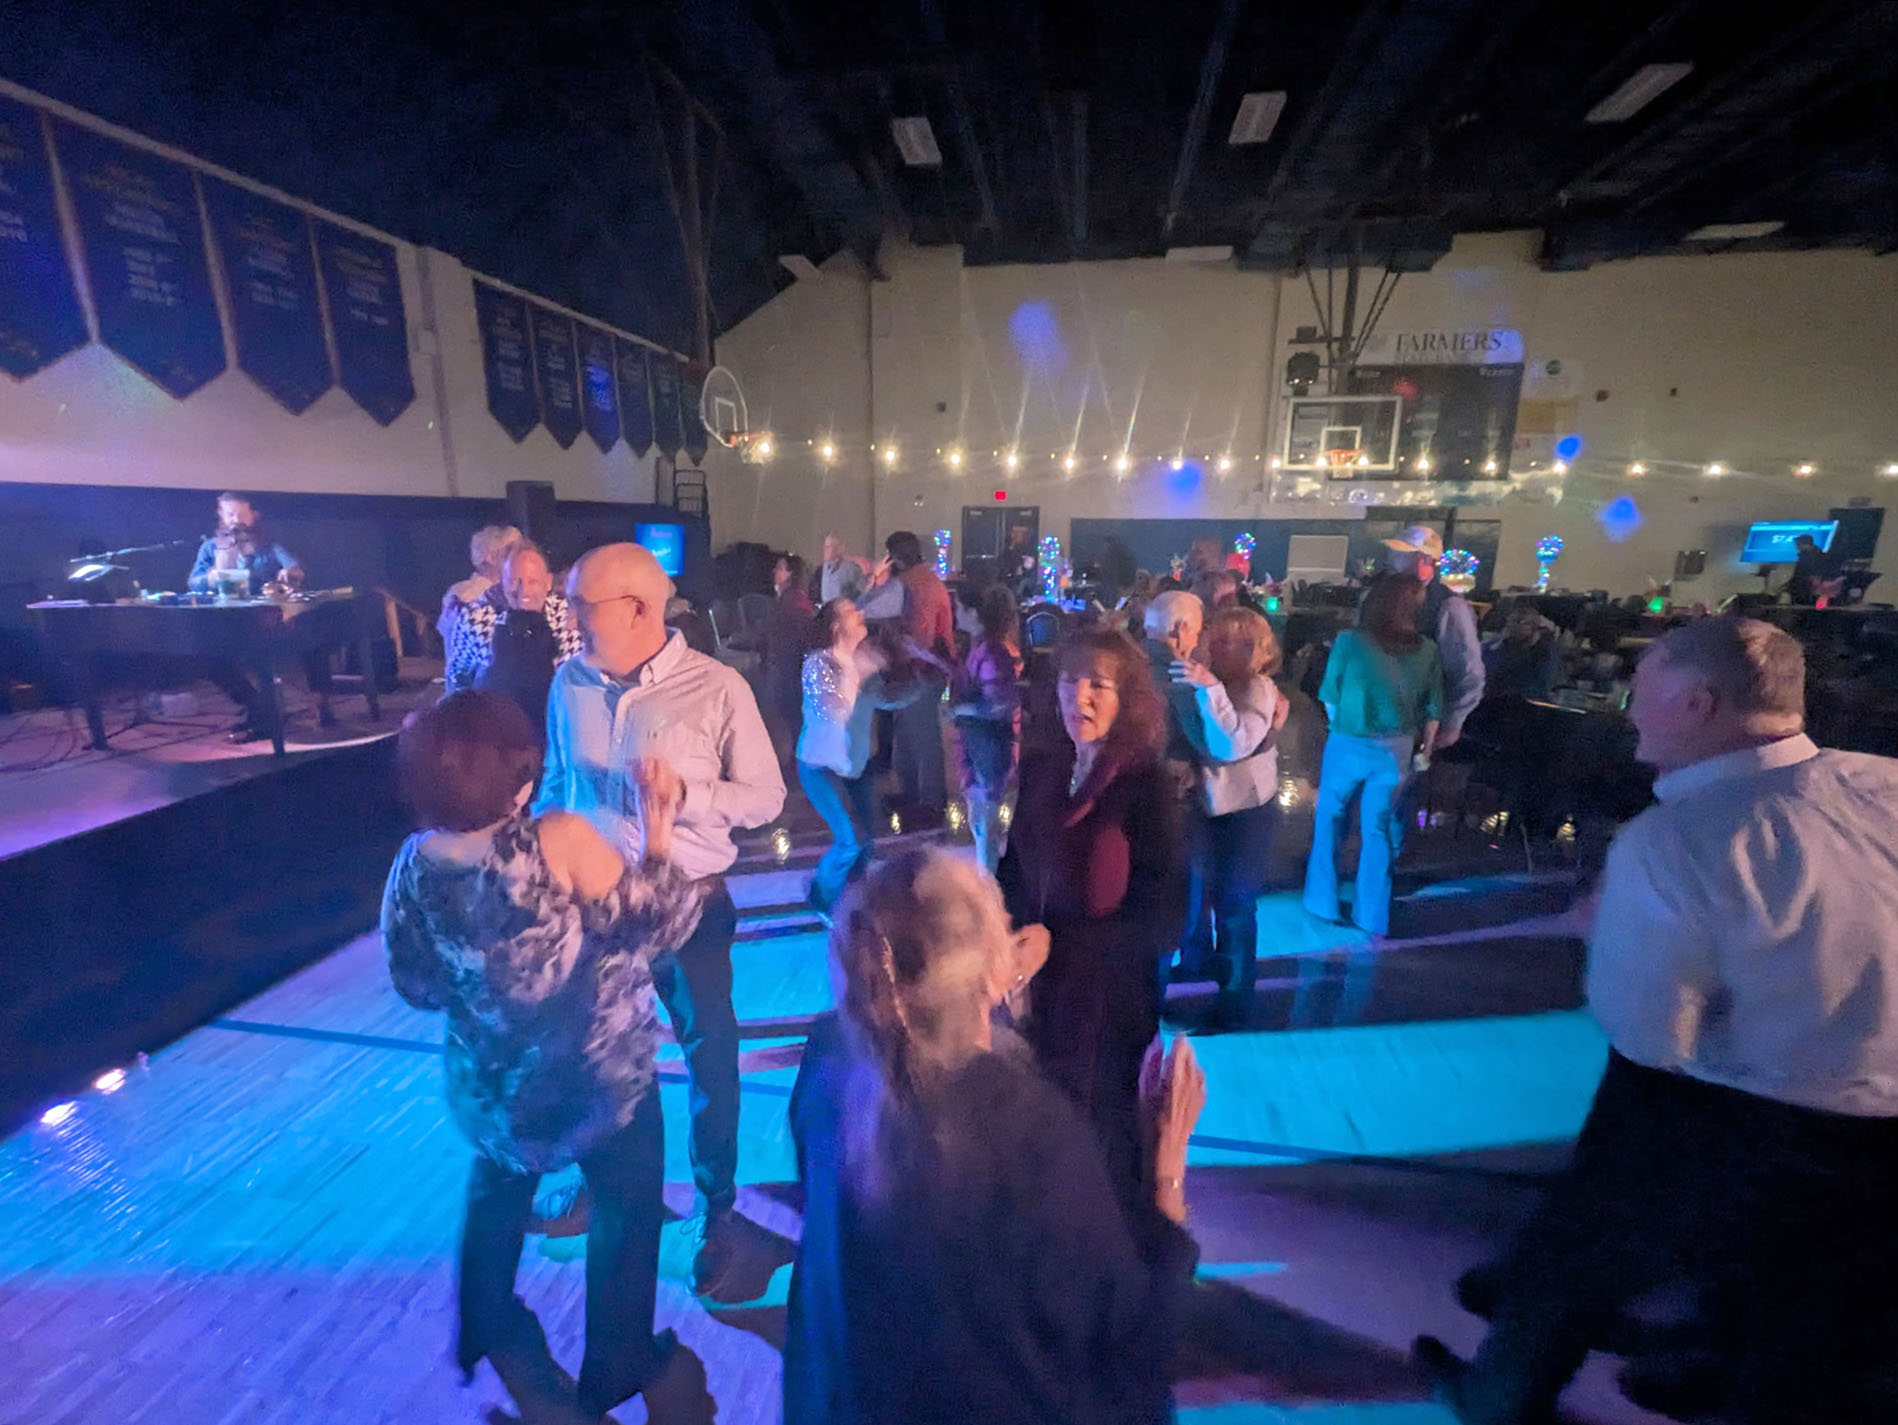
pixel 637 691
pixel 1744 964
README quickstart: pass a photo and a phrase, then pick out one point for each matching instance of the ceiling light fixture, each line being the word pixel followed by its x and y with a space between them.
pixel 1805 470
pixel 1068 462
pixel 1637 91
pixel 1257 116
pixel 1733 232
pixel 889 455
pixel 1637 470
pixel 1012 460
pixel 1890 472
pixel 1716 470
pixel 916 141
pixel 1225 464
pixel 1123 462
pixel 955 459
pixel 827 452
pixel 1178 462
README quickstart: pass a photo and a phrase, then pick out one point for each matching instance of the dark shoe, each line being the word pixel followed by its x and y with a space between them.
pixel 664 1346
pixel 562 1211
pixel 1447 1375
pixel 1480 1288
pixel 246 731
pixel 1682 1385
pixel 715 1263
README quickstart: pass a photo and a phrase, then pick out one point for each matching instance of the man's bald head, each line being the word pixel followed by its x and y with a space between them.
pixel 618 595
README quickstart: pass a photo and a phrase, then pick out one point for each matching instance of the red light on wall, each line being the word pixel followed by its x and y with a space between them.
pixel 1001 495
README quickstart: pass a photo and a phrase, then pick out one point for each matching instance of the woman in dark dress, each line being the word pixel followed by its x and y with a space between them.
pixel 964 1255
pixel 1094 855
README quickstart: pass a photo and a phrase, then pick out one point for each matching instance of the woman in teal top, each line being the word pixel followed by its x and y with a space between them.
pixel 1383 693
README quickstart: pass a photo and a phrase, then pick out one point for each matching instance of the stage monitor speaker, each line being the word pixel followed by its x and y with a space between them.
pixel 530 505
pixel 1857 539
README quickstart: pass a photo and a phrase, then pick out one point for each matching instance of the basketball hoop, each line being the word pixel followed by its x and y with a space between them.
pixel 722 410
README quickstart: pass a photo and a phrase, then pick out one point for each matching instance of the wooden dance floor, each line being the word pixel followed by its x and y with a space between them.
pixel 258 1224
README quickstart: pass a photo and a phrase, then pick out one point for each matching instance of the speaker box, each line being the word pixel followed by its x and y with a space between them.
pixel 1857 538
pixel 530 505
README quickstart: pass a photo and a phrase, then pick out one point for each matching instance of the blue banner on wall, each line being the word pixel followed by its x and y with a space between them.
pixel 666 433
pixel 508 354
pixel 144 245
pixel 270 281
pixel 559 381
pixel 635 395
pixel 372 330
pixel 40 319
pixel 599 389
pixel 691 397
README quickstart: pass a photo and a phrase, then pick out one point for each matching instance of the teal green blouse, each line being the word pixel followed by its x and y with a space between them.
pixel 1372 693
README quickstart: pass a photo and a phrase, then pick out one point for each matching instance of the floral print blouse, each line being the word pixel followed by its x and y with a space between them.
pixel 549 997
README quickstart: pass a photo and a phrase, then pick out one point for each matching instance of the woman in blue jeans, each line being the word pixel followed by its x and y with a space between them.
pixel 1383 694
pixel 845 681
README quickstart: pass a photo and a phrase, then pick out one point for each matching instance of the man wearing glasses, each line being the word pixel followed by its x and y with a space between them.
pixel 638 691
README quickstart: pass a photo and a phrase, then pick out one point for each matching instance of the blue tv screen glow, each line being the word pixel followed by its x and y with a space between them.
pixel 1771 541
pixel 667 543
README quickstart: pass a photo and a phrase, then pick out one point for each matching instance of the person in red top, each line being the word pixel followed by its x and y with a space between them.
pixel 905 589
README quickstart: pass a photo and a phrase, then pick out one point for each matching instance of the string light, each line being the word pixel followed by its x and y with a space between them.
pixel 1423 465
pixel 1050 552
pixel 1069 462
pixel 943 540
pixel 1275 462
pixel 1012 460
pixel 781 845
pixel 1805 470
pixel 1489 467
pixel 827 452
pixel 1890 472
pixel 111 1081
pixel 1244 543
pixel 1364 462
pixel 1225 464
pixel 1637 470
pixel 889 455
pixel 766 449
pixel 1560 467
pixel 1178 462
pixel 1458 568
pixel 1122 463
pixel 955 459
pixel 955 816
pixel 1716 470
pixel 1548 550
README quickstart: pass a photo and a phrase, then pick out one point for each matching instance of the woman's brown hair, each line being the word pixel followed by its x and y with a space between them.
pixel 1141 722
pixel 1241 645
pixel 461 763
pixel 1390 610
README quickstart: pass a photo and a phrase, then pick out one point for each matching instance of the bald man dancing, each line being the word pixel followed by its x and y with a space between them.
pixel 637 691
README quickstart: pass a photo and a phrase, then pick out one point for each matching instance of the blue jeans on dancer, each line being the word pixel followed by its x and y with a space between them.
pixel 1373 769
pixel 847 806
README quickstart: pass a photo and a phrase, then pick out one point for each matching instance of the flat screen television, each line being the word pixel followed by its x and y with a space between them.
pixel 1771 541
pixel 667 543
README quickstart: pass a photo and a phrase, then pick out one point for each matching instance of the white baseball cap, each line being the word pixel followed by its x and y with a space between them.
pixel 1418 539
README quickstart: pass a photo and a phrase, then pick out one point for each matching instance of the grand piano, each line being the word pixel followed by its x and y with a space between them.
pixel 258 633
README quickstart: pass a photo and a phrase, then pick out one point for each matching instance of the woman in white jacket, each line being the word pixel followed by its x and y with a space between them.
pixel 1241 712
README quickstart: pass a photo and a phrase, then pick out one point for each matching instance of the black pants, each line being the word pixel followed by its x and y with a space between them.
pixel 1674 1179
pixel 695 985
pixel 625 1175
pixel 1238 854
pixel 234 680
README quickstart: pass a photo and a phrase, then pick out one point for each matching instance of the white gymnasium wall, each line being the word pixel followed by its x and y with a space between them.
pixel 1757 361
pixel 91 419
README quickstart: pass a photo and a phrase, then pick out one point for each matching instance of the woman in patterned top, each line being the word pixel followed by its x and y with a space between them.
pixel 535 939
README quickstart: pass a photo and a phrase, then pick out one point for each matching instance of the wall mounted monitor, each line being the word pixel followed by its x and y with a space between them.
pixel 1771 541
pixel 666 543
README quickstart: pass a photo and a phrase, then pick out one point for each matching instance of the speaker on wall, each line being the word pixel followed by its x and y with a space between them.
pixel 530 505
pixel 1859 527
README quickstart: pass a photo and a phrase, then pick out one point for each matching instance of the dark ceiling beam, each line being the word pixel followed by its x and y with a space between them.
pixel 1077 217
pixel 1710 94
pixel 1453 83
pixel 938 34
pixel 1345 70
pixel 1211 67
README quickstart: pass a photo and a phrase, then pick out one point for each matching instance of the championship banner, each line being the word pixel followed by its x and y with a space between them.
pixel 270 284
pixel 559 384
pixel 144 247
pixel 666 432
pixel 635 395
pixel 371 329
pixel 691 394
pixel 507 353
pixel 600 390
pixel 40 319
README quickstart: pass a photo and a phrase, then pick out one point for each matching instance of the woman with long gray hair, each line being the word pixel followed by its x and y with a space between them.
pixel 965 1255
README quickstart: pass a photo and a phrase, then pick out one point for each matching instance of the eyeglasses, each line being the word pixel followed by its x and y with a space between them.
pixel 579 604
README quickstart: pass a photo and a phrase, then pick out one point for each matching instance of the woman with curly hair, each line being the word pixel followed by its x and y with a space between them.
pixel 1094 855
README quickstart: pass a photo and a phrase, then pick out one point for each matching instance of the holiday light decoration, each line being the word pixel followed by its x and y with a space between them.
pixel 1548 550
pixel 1244 544
pixel 943 540
pixel 1458 569
pixel 1050 551
pixel 781 845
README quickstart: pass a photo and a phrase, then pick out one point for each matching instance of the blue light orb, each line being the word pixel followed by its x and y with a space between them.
pixel 1568 447
pixel 1036 335
pixel 1619 518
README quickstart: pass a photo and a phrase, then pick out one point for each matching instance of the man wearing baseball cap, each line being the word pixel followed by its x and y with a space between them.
pixel 1447 618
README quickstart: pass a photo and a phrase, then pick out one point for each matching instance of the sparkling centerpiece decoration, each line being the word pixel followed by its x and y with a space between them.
pixel 943 541
pixel 1458 569
pixel 1050 550
pixel 1548 550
